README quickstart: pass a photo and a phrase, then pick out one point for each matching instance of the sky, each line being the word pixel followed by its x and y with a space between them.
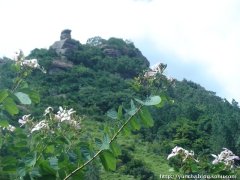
pixel 199 40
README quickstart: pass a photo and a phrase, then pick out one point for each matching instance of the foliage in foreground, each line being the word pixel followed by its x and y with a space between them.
pixel 52 147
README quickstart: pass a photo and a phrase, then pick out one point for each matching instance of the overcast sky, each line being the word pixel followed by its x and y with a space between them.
pixel 198 39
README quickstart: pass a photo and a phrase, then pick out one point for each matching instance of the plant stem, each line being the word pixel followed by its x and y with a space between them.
pixel 121 128
pixel 112 139
pixel 82 166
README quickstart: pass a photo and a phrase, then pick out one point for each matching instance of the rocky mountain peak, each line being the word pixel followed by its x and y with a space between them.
pixel 65 34
pixel 66 44
pixel 65 47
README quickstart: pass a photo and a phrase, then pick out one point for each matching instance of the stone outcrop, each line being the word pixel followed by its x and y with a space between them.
pixel 110 51
pixel 64 48
pixel 59 65
pixel 66 45
pixel 62 64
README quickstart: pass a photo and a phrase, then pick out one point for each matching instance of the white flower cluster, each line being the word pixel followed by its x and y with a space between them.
pixel 226 156
pixel 63 115
pixel 24 120
pixel 32 63
pixel 42 124
pixel 9 128
pixel 48 110
pixel 66 115
pixel 159 68
pixel 21 121
pixel 185 154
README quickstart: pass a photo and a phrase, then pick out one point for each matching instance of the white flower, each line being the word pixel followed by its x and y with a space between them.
pixel 11 128
pixel 64 115
pixel 18 56
pixel 24 120
pixel 185 154
pixel 74 123
pixel 158 68
pixel 175 152
pixel 40 125
pixel 48 110
pixel 226 156
pixel 150 73
pixel 32 63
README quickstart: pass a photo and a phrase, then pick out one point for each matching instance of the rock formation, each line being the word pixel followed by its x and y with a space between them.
pixel 66 45
pixel 64 48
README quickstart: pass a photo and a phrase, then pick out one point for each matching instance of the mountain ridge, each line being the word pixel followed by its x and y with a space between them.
pixel 100 75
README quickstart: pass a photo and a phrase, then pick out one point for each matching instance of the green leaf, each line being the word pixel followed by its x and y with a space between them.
pixel 115 148
pixel 53 161
pixel 35 173
pixel 3 95
pixel 105 142
pixel 50 149
pixel 133 109
pixel 146 117
pixel 112 113
pixel 34 96
pixel 150 101
pixel 23 98
pixel 1 142
pixel 134 123
pixel 194 167
pixel 16 67
pixel 46 168
pixel 139 101
pixel 108 160
pixel 63 139
pixel 98 142
pixel 21 172
pixel 8 160
pixel 4 123
pixel 11 169
pixel 164 99
pixel 120 112
pixel 85 151
pixel 8 164
pixel 10 106
pixel 31 159
pixel 20 143
pixel 127 130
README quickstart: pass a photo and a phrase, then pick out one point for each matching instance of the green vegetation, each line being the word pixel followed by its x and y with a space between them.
pixel 105 76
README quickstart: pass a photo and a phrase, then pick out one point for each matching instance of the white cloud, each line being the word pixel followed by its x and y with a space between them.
pixel 205 32
pixel 202 32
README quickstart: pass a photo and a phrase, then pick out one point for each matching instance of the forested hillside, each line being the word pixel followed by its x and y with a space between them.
pixel 100 75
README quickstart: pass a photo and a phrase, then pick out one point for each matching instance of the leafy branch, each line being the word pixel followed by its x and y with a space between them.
pixel 101 150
